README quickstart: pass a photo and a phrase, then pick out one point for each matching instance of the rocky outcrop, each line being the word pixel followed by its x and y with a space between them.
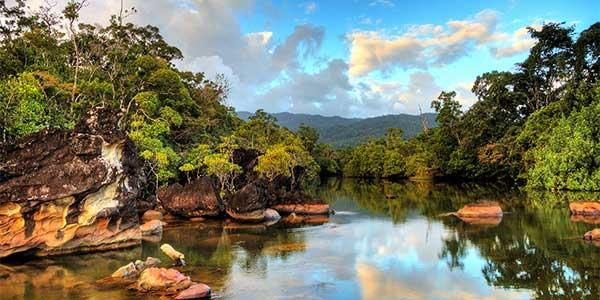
pixel 133 269
pixel 198 198
pixel 70 191
pixel 587 208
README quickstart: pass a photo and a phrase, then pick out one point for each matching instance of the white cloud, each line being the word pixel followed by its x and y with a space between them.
pixel 309 7
pixel 520 42
pixel 421 45
pixel 385 3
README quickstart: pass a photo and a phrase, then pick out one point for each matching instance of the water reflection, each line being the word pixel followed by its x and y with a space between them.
pixel 373 248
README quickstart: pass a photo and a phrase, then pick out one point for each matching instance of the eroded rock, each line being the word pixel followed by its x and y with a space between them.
pixel 198 198
pixel 173 254
pixel 593 235
pixel 70 191
pixel 152 228
pixel 248 204
pixel 151 215
pixel 585 208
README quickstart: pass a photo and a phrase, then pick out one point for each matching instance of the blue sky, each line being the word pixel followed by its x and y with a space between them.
pixel 353 58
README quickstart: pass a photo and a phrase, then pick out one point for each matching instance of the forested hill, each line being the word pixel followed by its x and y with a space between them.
pixel 342 132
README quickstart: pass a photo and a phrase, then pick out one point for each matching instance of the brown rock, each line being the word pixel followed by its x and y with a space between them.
pixel 589 219
pixel 196 291
pixel 302 209
pixel 488 221
pixel 198 198
pixel 70 191
pixel 593 235
pixel 152 228
pixel 255 216
pixel 175 255
pixel 480 210
pixel 128 270
pixel 251 198
pixel 161 279
pixel 150 215
pixel 588 208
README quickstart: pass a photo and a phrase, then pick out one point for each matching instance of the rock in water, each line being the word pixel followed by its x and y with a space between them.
pixel 486 209
pixel 161 279
pixel 196 291
pixel 248 204
pixel 150 215
pixel 588 208
pixel 593 235
pixel 152 228
pixel 70 191
pixel 128 270
pixel 198 198
pixel 175 255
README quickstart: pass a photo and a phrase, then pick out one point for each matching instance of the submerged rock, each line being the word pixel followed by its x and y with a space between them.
pixel 196 291
pixel 133 269
pixel 161 279
pixel 486 209
pixel 175 255
pixel 198 198
pixel 588 208
pixel 302 209
pixel 70 191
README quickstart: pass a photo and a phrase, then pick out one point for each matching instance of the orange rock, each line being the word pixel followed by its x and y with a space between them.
pixel 196 291
pixel 488 221
pixel 479 210
pixel 593 235
pixel 585 219
pixel 254 216
pixel 302 209
pixel 588 208
pixel 161 279
pixel 150 215
pixel 152 228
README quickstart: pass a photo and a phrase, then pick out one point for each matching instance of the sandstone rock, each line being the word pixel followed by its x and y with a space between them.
pixel 293 219
pixel 302 209
pixel 151 215
pixel 152 228
pixel 589 219
pixel 250 217
pixel 593 235
pixel 128 270
pixel 198 198
pixel 161 279
pixel 486 221
pixel 588 208
pixel 70 191
pixel 480 210
pixel 175 255
pixel 196 291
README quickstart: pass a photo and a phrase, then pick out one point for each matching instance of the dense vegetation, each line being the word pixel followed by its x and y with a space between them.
pixel 350 132
pixel 53 69
pixel 536 124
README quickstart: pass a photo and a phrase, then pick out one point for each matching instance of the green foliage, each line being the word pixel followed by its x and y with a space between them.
pixel 570 156
pixel 218 165
pixel 22 107
pixel 284 160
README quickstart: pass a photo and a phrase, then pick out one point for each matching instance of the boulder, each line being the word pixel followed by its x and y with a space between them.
pixel 587 208
pixel 70 191
pixel 198 198
pixel 195 291
pixel 486 209
pixel 248 204
pixel 593 235
pixel 161 279
pixel 271 215
pixel 152 228
pixel 173 254
pixel 150 215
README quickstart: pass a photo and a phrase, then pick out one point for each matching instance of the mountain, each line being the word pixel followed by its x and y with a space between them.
pixel 343 132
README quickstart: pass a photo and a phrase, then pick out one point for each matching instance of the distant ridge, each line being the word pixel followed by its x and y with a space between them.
pixel 343 132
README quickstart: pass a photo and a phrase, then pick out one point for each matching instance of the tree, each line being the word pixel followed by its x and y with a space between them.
pixel 218 165
pixel 285 160
pixel 309 137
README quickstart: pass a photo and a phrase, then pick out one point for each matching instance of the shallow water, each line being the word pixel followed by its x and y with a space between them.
pixel 373 248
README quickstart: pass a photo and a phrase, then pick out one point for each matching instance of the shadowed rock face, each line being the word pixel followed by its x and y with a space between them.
pixel 70 191
pixel 198 198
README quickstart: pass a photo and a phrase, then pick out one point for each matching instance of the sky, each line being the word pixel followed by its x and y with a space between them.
pixel 352 58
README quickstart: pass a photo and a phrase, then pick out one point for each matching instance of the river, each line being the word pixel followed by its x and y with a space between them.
pixel 372 248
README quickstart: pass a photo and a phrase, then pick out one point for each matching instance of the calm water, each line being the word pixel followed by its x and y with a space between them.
pixel 373 248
